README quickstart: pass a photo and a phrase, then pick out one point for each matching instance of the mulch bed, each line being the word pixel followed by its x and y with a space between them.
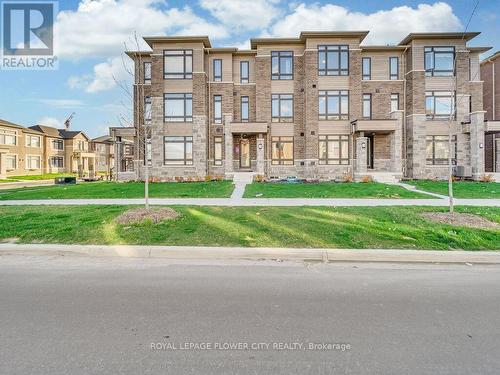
pixel 139 215
pixel 461 219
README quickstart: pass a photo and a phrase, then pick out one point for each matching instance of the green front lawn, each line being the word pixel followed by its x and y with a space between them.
pixel 5 181
pixel 45 176
pixel 461 189
pixel 322 227
pixel 89 190
pixel 328 190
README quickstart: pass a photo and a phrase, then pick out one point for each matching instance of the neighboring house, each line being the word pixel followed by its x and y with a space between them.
pixel 104 151
pixel 125 146
pixel 490 74
pixel 42 149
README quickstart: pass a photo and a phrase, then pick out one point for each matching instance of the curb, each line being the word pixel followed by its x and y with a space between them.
pixel 243 253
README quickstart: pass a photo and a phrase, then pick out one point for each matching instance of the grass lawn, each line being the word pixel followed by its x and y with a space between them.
pixel 461 189
pixel 122 190
pixel 323 227
pixel 328 190
pixel 45 176
pixel 5 181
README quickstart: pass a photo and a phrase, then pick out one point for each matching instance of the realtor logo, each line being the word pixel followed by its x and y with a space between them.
pixel 28 35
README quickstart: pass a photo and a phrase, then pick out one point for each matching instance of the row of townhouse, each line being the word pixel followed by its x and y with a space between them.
pixel 318 106
pixel 43 149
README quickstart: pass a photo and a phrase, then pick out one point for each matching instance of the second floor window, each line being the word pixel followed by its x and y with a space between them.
pixel 367 106
pixel 334 105
pixel 33 141
pixel 57 144
pixel 439 104
pixel 178 107
pixel 217 70
pixel 244 72
pixel 147 110
pixel 178 150
pixel 282 107
pixel 394 102
pixel 282 65
pixel 218 109
pixel 147 72
pixel 218 151
pixel 439 61
pixel 367 68
pixel 393 68
pixel 244 108
pixel 178 64
pixel 333 60
pixel 82 146
pixel 8 137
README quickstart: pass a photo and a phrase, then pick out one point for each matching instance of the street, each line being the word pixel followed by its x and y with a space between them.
pixel 84 315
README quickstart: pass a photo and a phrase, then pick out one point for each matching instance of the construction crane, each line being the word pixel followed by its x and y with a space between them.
pixel 67 123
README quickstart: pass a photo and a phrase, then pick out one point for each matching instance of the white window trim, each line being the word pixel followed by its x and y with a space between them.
pixel 35 136
pixel 26 162
pixel 52 144
pixel 11 133
pixel 17 162
pixel 56 156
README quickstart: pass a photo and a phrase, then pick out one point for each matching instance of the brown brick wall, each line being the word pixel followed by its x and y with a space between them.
pixel 415 92
pixel 381 97
pixel 244 90
pixel 311 104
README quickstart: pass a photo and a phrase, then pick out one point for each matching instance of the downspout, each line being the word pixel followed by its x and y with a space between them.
pixel 405 141
pixel 207 166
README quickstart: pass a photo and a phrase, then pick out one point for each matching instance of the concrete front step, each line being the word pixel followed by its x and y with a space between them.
pixel 243 177
pixel 383 177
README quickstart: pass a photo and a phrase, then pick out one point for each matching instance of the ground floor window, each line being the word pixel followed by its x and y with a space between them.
pixel 10 162
pixel 57 161
pixel 334 149
pixel 438 149
pixel 148 152
pixel 218 151
pixel 178 150
pixel 32 162
pixel 282 150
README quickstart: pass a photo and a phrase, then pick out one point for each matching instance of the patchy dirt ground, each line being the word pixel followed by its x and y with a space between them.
pixel 461 219
pixel 139 215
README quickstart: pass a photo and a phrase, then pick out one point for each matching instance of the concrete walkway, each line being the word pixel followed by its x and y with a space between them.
pixel 414 189
pixel 27 183
pixel 256 202
pixel 256 253
pixel 241 180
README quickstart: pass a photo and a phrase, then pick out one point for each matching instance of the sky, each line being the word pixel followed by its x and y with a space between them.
pixel 92 35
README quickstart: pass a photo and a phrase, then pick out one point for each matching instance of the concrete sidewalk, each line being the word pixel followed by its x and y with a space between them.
pixel 257 202
pixel 246 253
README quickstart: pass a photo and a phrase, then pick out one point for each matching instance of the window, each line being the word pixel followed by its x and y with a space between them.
pixel 333 60
pixel 333 149
pixel 333 105
pixel 10 162
pixel 32 141
pixel 394 102
pixel 282 107
pixel 282 150
pixel 8 137
pixel 178 64
pixel 218 151
pixel 147 110
pixel 244 72
pixel 32 162
pixel 57 144
pixel 217 70
pixel 147 72
pixel 439 61
pixel 81 145
pixel 244 108
pixel 439 104
pixel 367 68
pixel 179 150
pixel 438 149
pixel 393 68
pixel 178 107
pixel 367 105
pixel 57 162
pixel 281 65
pixel 218 109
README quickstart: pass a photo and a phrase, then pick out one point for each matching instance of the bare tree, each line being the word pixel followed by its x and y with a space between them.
pixel 140 114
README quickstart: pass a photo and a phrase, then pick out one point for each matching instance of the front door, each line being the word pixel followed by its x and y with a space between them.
pixel 244 153
pixel 369 152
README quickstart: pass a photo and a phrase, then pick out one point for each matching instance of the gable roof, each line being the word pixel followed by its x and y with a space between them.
pixel 47 130
pixel 69 134
pixel 10 124
pixel 103 139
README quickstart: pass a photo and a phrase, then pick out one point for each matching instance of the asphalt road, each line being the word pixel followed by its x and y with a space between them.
pixel 77 315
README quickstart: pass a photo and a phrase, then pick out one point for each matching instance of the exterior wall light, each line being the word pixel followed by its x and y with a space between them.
pixel 363 145
pixel 480 145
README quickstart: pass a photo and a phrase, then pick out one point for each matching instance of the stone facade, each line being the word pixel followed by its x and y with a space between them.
pixel 396 140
